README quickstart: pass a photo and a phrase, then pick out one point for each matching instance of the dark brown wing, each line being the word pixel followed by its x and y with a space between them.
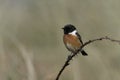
pixel 79 37
pixel 82 51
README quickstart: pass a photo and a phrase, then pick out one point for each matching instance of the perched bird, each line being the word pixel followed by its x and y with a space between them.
pixel 72 39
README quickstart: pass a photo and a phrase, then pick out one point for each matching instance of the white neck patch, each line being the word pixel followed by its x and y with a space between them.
pixel 73 33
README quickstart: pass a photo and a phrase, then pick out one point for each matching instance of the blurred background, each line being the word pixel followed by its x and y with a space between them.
pixel 31 44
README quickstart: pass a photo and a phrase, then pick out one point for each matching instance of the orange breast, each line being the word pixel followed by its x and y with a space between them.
pixel 72 40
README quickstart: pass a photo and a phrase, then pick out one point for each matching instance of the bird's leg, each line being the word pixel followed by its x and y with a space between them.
pixel 69 56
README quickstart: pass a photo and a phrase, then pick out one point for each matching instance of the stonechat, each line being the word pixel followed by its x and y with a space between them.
pixel 72 39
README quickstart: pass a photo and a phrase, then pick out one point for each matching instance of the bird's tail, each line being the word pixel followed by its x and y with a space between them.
pixel 84 53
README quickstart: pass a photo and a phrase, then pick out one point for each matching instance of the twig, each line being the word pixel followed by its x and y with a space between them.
pixel 85 44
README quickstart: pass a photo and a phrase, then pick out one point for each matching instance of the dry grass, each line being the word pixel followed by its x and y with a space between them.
pixel 31 46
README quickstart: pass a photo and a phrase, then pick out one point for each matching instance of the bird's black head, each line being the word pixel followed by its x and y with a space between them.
pixel 68 28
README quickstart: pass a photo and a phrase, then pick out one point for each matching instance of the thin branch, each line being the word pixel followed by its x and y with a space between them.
pixel 67 62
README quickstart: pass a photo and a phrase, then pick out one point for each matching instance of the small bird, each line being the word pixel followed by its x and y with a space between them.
pixel 72 39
